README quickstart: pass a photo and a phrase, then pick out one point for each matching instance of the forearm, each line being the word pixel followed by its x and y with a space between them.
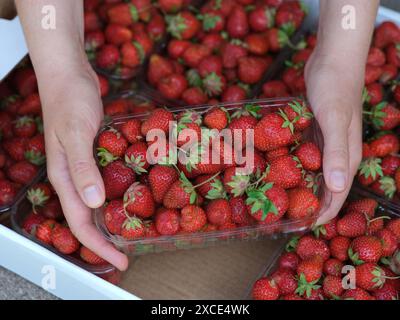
pixel 53 51
pixel 346 48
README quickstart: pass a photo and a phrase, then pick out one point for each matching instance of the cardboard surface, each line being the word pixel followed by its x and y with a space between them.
pixel 222 272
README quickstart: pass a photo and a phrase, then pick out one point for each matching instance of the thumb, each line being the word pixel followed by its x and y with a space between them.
pixel 83 170
pixel 334 128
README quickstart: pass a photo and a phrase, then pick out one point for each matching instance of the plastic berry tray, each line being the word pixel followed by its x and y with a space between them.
pixel 199 240
pixel 18 214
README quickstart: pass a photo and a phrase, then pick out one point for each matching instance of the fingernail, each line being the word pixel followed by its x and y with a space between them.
pixel 92 196
pixel 338 180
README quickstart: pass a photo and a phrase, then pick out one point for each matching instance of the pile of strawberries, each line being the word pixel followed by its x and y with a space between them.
pixel 359 245
pixel 170 198
pixel 47 223
pixel 22 149
pixel 129 104
pixel 220 50
pixel 119 35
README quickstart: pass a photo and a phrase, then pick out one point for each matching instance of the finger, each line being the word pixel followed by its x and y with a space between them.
pixel 78 214
pixel 82 166
pixel 355 145
pixel 332 206
pixel 334 127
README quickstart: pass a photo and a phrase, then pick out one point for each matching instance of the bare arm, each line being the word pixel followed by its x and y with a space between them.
pixel 72 112
pixel 335 79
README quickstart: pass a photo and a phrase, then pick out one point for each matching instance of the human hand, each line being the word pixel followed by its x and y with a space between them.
pixel 334 90
pixel 72 112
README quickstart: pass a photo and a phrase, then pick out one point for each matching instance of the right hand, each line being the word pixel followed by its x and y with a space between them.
pixel 72 112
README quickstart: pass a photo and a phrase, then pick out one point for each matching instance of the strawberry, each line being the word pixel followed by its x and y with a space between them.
pixel 44 231
pixel 385 116
pixel 242 123
pixel 356 294
pixel 15 148
pixel 239 211
pixel 256 44
pixel 292 297
pixel 116 107
pixel 195 54
pixel 159 119
pixel 333 267
pixel 268 203
pixel 386 34
pixel 194 96
pixel 117 178
pixel 35 151
pixel 116 34
pixel 110 146
pixel 385 186
pixel 22 172
pixel 167 221
pixel 302 203
pixel 132 54
pixel 231 53
pixel 172 86
pixel 170 6
pixel 235 184
pixel 132 228
pixel 289 15
pixel 309 156
pixel 210 187
pixel 372 74
pixel 237 24
pixel 91 21
pixel 52 209
pixel 103 85
pixel 327 231
pixel 24 127
pixel 387 292
pixel 251 69
pixel 25 81
pixel 216 118
pixel 365 249
pixel 285 280
pixel 138 201
pixel 63 240
pixel 352 225
pixel 213 41
pixel 193 219
pixel 93 41
pixel 219 212
pixel 136 157
pixel 31 105
pixel 214 84
pixel 308 246
pixel 107 57
pixel 309 272
pixel 370 170
pixel 159 68
pixel 339 247
pixel 332 286
pixel 270 133
pixel 385 144
pixel 124 14
pixel 161 178
pixel 131 130
pixel 390 164
pixel 389 73
pixel 265 289
pixel 8 191
pixel 156 27
pixel 183 25
pixel 261 18
pixel 180 194
pixel 114 216
pixel 376 57
pixel 298 114
pixel 284 172
pixel 388 241
pixel 369 276
pixel 289 260
pixel 394 226
pixel 39 194
pixel 366 206
pixel 90 257
pixel 275 89
pixel 374 93
pixel 234 93
pixel 213 21
pixel 31 222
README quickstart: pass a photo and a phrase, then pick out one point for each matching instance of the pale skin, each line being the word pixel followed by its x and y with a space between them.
pixel 73 112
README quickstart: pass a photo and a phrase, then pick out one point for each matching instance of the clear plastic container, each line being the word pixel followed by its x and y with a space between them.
pixel 355 194
pixel 19 212
pixel 199 240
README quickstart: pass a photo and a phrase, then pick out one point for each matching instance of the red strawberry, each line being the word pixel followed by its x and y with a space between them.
pixel 22 172
pixel 194 96
pixel 309 156
pixel 132 54
pixel 289 14
pixel 385 116
pixel 385 144
pixel 172 86
pixel 131 130
pixel 136 157
pixel 265 289
pixel 369 276
pixel 216 118
pixel 90 257
pixel 138 201
pixel 239 211
pixel 35 150
pixel 385 186
pixel 393 55
pixel 231 53
pixel 270 134
pixel 180 194
pixel 219 212
pixel 116 107
pixel 24 127
pixel 193 219
pixel 352 225
pixel 251 69
pixel 156 27
pixel 117 34
pixel 63 240
pixel 242 123
pixel 93 41
pixel 333 267
pixel 132 228
pixel 374 93
pixel 183 26
pixel 285 280
pixel 111 145
pixel 167 221
pixel 117 179
pixel 159 119
pixel 176 48
pixel 332 286
pixel 339 247
pixel 44 231
pixel 256 43
pixel 52 209
pixel 92 21
pixel 195 54
pixel 366 206
pixel 31 105
pixel 327 231
pixel 114 216
pixel 308 246
pixel 213 21
pixel 389 73
pixel 302 203
pixel 275 89
pixel 159 68
pixel 390 164
pixel 284 172
pixel 387 292
pixel 213 41
pixel 161 178
pixel 25 81
pixel 376 57
pixel 124 14
pixel 394 226
pixel 7 192
pixel 309 271
pixel 234 93
pixel 31 222
pixel 386 34
pixel 107 57
pixel 210 187
pixel 357 294
pixel 289 260
pixel 389 242
pixel 365 249
pixel 237 24
pixel 261 18
pixel 299 114
pixel 170 6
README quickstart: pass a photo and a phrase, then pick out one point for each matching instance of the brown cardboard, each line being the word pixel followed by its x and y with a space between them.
pixel 221 272
pixel 7 9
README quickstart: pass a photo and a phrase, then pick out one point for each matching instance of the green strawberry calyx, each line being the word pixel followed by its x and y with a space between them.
pixel 306 288
pixel 105 157
pixel 259 201
pixel 371 167
pixel 136 163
